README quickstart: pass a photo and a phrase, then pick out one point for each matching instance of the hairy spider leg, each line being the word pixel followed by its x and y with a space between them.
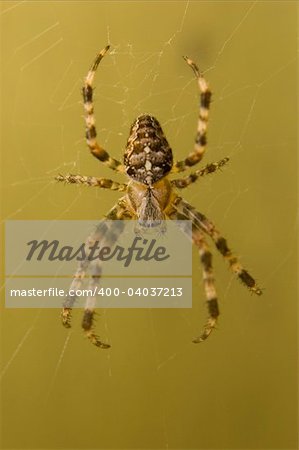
pixel 206 257
pixel 104 183
pixel 209 228
pixel 96 149
pixel 201 134
pixel 182 183
pixel 107 233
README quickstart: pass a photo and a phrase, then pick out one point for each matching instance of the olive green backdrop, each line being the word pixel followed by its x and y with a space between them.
pixel 154 388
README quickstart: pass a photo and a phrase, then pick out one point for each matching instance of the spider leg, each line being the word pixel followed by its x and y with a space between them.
pixel 206 257
pixel 89 310
pixel 209 228
pixel 91 133
pixel 97 235
pixel 106 233
pixel 209 284
pixel 182 183
pixel 200 138
pixel 104 183
pixel 96 271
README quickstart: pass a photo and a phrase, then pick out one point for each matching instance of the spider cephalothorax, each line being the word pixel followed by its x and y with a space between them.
pixel 148 156
pixel 150 197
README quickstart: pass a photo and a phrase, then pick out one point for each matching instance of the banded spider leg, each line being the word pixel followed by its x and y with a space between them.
pixel 182 210
pixel 107 233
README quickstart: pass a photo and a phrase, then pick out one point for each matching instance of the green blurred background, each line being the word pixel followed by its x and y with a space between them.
pixel 154 388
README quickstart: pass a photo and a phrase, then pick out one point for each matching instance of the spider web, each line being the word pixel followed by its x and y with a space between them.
pixel 250 66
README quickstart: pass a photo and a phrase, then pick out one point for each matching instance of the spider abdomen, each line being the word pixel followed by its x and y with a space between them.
pixel 148 156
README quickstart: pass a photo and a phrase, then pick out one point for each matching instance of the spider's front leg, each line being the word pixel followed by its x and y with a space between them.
pixel 96 149
pixel 201 135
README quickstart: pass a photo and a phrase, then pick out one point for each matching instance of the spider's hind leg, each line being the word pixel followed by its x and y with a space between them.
pixel 96 236
pixel 89 311
pixel 111 236
pixel 104 183
pixel 205 255
pixel 209 284
pixel 106 233
pixel 209 228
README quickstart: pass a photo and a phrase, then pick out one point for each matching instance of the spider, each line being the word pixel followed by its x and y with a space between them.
pixel 150 196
